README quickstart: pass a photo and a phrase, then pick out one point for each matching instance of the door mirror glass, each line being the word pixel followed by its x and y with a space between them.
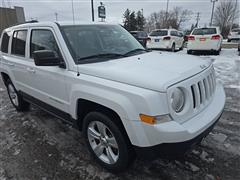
pixel 46 58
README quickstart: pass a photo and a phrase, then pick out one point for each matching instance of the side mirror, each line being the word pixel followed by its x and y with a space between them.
pixel 46 58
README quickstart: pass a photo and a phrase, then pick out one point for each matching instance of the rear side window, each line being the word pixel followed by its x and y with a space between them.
pixel 42 39
pixel 19 42
pixel 159 33
pixel 205 31
pixel 5 42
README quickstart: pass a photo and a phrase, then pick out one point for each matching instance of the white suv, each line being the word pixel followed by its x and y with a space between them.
pixel 205 39
pixel 99 78
pixel 169 39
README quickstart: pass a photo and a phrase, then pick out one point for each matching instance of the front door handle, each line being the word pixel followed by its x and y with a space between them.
pixel 31 70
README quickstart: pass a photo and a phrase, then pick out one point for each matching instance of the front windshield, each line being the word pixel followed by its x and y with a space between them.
pixel 91 40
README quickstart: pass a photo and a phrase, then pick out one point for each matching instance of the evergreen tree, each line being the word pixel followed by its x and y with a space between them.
pixel 140 21
pixel 126 19
pixel 133 22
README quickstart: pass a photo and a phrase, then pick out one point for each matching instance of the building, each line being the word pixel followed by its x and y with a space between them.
pixel 11 16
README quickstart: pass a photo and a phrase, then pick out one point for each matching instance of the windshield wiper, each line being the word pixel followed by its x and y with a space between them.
pixel 135 51
pixel 105 55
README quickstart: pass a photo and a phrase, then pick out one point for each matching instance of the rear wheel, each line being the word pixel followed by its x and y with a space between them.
pixel 173 48
pixel 16 99
pixel 106 142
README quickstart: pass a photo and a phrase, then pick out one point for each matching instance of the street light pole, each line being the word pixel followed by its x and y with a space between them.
pixel 92 10
pixel 213 1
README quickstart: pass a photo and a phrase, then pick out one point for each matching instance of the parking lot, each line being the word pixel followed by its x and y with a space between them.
pixel 36 145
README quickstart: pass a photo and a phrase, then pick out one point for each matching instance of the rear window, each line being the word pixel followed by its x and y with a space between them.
pixel 159 33
pixel 204 31
pixel 5 42
pixel 19 42
pixel 236 30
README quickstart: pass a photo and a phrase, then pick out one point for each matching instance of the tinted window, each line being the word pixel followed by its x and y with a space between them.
pixel 159 33
pixel 43 40
pixel 19 42
pixel 204 31
pixel 5 41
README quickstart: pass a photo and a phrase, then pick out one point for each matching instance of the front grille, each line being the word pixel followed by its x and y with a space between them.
pixel 203 90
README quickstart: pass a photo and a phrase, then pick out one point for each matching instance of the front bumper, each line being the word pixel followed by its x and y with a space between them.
pixel 175 132
pixel 172 150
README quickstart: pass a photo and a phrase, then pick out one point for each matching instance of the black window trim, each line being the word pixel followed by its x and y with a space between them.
pixel 55 37
pixel 11 40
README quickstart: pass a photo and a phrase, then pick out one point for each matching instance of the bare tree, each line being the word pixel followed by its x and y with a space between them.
pixel 226 13
pixel 175 19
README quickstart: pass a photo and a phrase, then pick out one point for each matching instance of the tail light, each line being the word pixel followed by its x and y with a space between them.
pixel 216 37
pixel 191 38
pixel 167 38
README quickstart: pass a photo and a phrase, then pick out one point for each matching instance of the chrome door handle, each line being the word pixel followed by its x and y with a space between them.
pixel 31 70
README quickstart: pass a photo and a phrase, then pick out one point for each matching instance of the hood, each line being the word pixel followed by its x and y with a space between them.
pixel 154 70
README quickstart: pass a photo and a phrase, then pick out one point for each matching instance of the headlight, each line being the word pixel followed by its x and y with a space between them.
pixel 177 100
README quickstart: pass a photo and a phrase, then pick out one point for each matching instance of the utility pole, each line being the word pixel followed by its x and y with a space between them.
pixel 212 1
pixel 56 16
pixel 92 5
pixel 73 14
pixel 197 19
pixel 167 12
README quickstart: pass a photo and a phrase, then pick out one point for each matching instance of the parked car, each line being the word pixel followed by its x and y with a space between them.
pixel 125 99
pixel 141 36
pixel 168 39
pixel 186 34
pixel 205 39
pixel 234 34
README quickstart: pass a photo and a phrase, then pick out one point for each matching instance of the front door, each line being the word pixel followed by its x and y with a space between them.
pixel 47 82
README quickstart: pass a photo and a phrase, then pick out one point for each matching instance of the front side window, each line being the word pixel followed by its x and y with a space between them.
pixel 99 40
pixel 5 42
pixel 42 39
pixel 19 42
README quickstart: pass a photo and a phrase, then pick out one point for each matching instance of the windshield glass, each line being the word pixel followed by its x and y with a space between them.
pixel 91 40
pixel 204 31
pixel 159 33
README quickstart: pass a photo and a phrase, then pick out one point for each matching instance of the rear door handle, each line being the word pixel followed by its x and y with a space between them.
pixel 31 70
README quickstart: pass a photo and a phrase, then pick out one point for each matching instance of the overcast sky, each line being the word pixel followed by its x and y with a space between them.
pixel 44 10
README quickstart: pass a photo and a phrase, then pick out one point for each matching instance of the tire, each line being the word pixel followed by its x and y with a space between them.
pixel 189 51
pixel 229 40
pixel 173 49
pixel 217 52
pixel 120 150
pixel 16 99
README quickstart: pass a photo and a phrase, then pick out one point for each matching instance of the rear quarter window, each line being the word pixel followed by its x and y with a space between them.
pixel 19 42
pixel 5 42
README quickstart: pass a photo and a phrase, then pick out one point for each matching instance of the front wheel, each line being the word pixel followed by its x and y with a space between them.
pixel 16 99
pixel 106 142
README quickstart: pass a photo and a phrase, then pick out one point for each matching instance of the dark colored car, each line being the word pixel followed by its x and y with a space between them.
pixel 186 34
pixel 141 36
